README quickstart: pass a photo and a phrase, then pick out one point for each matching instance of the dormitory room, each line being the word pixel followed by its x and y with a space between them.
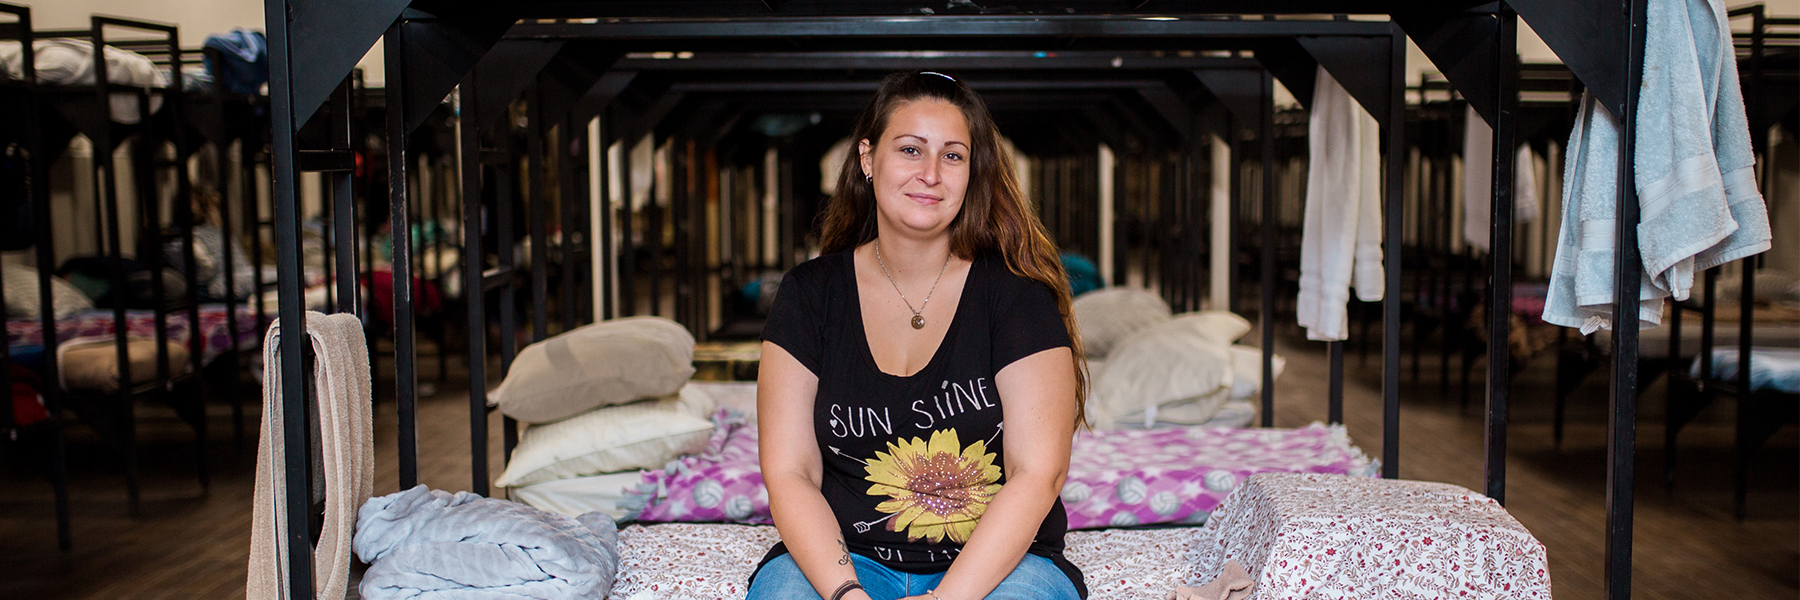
pixel 900 299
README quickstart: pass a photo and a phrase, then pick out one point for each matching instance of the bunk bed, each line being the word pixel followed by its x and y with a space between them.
pixel 138 105
pixel 45 434
pixel 495 59
pixel 164 318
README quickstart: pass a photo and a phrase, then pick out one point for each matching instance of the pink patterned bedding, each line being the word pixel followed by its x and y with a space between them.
pixel 1308 535
pixel 1116 478
pixel 215 329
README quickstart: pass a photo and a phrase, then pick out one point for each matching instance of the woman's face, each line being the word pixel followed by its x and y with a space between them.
pixel 920 167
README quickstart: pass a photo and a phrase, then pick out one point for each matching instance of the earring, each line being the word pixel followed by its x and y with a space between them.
pixel 869 178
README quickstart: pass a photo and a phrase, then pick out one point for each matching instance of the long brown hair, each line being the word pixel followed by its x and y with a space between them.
pixel 994 215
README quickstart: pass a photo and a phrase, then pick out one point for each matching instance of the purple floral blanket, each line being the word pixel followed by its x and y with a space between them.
pixel 1116 478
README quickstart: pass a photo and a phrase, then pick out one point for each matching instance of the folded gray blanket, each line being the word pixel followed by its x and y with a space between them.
pixel 432 545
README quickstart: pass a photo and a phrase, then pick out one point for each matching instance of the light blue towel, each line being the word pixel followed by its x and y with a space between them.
pixel 1581 278
pixel 1699 206
pixel 432 545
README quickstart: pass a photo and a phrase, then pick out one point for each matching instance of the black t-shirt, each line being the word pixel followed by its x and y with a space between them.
pixel 910 463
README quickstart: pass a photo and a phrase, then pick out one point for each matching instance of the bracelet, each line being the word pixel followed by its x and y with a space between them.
pixel 933 594
pixel 845 589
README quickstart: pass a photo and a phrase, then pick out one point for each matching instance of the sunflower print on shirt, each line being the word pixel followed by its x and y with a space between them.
pixel 936 490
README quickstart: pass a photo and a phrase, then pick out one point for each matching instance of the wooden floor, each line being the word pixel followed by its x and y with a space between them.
pixel 190 543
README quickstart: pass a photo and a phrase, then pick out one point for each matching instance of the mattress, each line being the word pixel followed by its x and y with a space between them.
pixel 215 328
pixel 680 561
pixel 1771 369
pixel 92 364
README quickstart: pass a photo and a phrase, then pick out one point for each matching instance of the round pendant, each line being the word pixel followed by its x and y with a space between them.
pixel 918 321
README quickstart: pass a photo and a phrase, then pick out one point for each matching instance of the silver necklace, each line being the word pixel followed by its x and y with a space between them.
pixel 918 320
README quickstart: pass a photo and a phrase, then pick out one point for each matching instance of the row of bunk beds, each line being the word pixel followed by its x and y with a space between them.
pixel 704 159
pixel 708 169
pixel 155 299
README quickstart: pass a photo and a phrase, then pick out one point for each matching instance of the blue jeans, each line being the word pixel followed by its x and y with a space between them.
pixel 1036 578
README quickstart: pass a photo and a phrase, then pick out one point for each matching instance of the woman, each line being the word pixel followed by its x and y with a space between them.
pixel 921 381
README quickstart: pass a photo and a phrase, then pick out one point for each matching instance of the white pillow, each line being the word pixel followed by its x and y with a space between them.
pixel 21 293
pixel 603 364
pixel 640 435
pixel 1175 363
pixel 735 395
pixel 1107 316
pixel 1220 326
pixel 1246 367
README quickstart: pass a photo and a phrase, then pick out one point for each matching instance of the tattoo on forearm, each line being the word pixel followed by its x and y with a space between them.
pixel 846 558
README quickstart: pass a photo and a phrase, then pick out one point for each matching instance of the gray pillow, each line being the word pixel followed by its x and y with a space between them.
pixel 1107 316
pixel 607 363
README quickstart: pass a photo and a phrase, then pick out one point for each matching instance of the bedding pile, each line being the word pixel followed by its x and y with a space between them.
pixel 1150 368
pixel 424 543
pixel 1116 478
pixel 602 402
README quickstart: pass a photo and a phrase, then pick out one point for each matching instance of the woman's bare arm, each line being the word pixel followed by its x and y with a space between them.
pixel 1038 400
pixel 792 470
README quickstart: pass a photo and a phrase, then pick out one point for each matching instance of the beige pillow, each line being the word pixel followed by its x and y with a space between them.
pixel 603 364
pixel 1106 317
pixel 639 435
pixel 1177 363
pixel 1220 326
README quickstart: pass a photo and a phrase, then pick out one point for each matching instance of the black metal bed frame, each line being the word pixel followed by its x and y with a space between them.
pixel 88 110
pixel 188 120
pixel 432 46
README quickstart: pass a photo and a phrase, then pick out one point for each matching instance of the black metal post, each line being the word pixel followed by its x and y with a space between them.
pixel 1500 234
pixel 1270 220
pixel 537 207
pixel 1747 296
pixel 475 286
pixel 1395 221
pixel 1335 411
pixel 1621 432
pixel 509 291
pixel 574 244
pixel 294 375
pixel 400 236
pixel 609 265
pixel 343 229
pixel 46 260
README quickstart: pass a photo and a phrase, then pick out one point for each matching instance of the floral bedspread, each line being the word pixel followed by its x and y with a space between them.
pixel 680 561
pixel 1116 478
pixel 215 328
pixel 1331 537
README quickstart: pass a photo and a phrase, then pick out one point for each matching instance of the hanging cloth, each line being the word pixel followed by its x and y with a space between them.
pixel 344 461
pixel 1478 181
pixel 1340 243
pixel 1694 173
